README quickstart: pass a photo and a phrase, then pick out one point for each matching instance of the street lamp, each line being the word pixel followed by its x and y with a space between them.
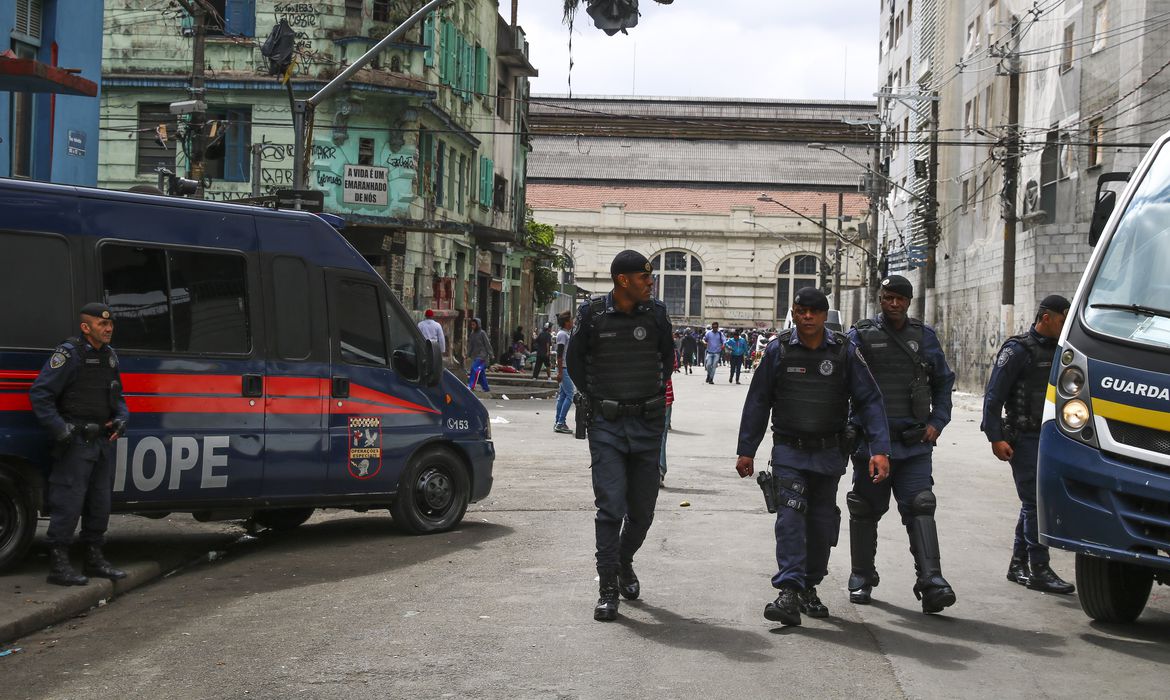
pixel 777 234
pixel 824 147
pixel 765 198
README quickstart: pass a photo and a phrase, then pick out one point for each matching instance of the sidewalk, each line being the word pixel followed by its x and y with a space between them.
pixel 145 549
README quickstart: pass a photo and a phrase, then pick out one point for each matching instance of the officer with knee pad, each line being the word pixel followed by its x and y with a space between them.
pixel 78 398
pixel 1017 387
pixel 620 358
pixel 907 361
pixel 805 381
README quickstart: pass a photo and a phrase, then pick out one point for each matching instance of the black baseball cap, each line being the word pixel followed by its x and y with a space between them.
pixel 629 261
pixel 97 310
pixel 897 284
pixel 1055 302
pixel 812 298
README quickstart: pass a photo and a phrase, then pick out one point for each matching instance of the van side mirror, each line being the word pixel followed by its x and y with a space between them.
pixel 1105 203
pixel 434 364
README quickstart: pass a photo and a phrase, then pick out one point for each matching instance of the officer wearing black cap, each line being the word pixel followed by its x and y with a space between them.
pixel 806 379
pixel 907 361
pixel 78 398
pixel 1017 387
pixel 620 358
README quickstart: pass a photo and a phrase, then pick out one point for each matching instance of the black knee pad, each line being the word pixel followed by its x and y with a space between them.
pixel 858 507
pixel 923 503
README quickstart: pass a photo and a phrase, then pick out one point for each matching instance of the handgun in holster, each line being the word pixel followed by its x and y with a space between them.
pixel 583 416
pixel 764 479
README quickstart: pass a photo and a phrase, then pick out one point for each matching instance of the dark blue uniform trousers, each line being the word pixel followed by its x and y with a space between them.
pixel 1025 451
pixel 79 487
pixel 803 540
pixel 908 477
pixel 625 457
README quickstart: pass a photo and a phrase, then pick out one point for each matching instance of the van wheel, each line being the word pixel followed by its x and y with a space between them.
pixel 433 493
pixel 1112 591
pixel 18 521
pixel 282 519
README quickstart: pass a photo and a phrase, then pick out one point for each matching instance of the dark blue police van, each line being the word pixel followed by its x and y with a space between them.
pixel 268 369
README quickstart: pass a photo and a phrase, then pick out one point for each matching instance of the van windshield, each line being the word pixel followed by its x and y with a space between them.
pixel 1129 297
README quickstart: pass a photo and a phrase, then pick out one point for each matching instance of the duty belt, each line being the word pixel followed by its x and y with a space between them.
pixel 612 410
pixel 807 442
pixel 88 431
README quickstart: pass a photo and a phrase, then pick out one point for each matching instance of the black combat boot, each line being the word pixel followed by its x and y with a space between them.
pixel 862 550
pixel 1044 579
pixel 61 572
pixel 931 588
pixel 607 604
pixel 811 605
pixel 96 564
pixel 628 581
pixel 785 609
pixel 1018 571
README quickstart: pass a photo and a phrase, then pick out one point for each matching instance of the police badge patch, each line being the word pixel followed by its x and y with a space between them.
pixel 827 367
pixel 1004 356
pixel 639 333
pixel 913 345
pixel 57 361
pixel 113 362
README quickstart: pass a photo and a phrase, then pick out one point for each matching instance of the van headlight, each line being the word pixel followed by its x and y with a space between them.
pixel 1074 415
pixel 1071 381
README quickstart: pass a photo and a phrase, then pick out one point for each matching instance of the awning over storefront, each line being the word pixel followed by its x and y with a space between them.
pixel 28 75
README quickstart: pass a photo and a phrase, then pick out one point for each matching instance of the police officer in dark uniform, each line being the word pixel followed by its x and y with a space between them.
pixel 907 361
pixel 1017 387
pixel 620 358
pixel 805 381
pixel 78 398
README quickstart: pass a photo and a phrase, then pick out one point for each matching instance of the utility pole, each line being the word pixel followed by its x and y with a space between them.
pixel 876 192
pixel 198 13
pixel 1011 171
pixel 933 234
pixel 824 245
pixel 837 251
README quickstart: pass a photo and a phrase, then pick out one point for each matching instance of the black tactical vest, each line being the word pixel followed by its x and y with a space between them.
pixel 811 395
pixel 623 363
pixel 1025 405
pixel 88 398
pixel 891 366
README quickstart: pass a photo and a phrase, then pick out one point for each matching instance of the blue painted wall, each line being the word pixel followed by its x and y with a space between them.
pixel 76 29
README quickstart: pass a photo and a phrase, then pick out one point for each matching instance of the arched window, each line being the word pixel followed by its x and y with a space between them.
pixel 795 272
pixel 678 278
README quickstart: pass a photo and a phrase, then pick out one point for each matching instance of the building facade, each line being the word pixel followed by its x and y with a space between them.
pixel 50 65
pixel 725 197
pixel 420 152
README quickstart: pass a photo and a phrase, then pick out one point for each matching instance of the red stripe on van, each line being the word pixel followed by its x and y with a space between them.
pixel 192 404
pixel 366 394
pixel 15 402
pixel 19 373
pixel 227 384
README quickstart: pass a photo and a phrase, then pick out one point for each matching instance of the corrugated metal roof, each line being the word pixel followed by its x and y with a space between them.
pixel 671 160
pixel 703 107
pixel 693 199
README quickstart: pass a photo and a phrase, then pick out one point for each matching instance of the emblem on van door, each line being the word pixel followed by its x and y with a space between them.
pixel 365 446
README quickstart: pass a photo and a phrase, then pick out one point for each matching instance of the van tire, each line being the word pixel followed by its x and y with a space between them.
pixel 281 519
pixel 433 493
pixel 1112 591
pixel 18 520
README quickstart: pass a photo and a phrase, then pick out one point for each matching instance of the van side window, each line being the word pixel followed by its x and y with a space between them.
pixel 36 267
pixel 402 338
pixel 177 300
pixel 290 290
pixel 359 322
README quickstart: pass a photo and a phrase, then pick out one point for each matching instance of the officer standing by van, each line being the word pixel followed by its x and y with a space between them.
pixel 1017 387
pixel 620 358
pixel 78 398
pixel 907 361
pixel 805 380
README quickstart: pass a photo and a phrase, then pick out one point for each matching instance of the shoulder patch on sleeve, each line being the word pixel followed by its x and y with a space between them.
pixel 57 361
pixel 1004 355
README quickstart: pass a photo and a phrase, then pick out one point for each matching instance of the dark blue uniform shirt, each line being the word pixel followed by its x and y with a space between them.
pixel 1011 364
pixel 58 373
pixel 579 344
pixel 866 398
pixel 942 383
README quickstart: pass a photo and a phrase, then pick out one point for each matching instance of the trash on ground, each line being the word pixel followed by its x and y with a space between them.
pixel 500 419
pixel 10 652
pixel 685 504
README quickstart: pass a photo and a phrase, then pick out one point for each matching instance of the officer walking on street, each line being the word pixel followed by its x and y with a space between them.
pixel 78 398
pixel 620 357
pixel 805 381
pixel 907 361
pixel 1017 387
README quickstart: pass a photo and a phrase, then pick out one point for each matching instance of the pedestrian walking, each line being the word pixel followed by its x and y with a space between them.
pixel 907 361
pixel 666 431
pixel 690 347
pixel 77 397
pixel 806 379
pixel 479 349
pixel 714 343
pixel 620 356
pixel 565 382
pixel 1017 387
pixel 738 348
pixel 433 331
pixel 543 346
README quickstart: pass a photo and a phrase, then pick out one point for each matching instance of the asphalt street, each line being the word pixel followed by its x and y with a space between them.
pixel 346 607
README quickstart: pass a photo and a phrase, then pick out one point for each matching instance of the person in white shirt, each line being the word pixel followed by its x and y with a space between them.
pixel 566 388
pixel 431 330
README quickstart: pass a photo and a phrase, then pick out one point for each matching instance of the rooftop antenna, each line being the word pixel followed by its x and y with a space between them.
pixel 634 72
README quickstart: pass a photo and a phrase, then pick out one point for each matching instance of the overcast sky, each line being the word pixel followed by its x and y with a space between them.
pixel 777 49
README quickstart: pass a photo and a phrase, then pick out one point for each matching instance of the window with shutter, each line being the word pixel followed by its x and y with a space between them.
pixel 481 70
pixel 28 18
pixel 428 40
pixel 240 18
